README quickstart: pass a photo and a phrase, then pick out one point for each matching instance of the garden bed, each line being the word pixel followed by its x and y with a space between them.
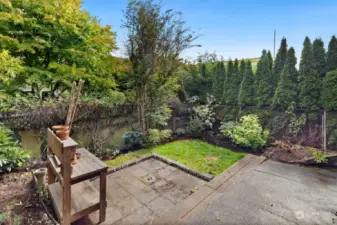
pixel 19 203
pixel 197 155
pixel 300 155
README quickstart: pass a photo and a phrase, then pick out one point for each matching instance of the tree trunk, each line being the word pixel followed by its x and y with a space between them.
pixel 141 96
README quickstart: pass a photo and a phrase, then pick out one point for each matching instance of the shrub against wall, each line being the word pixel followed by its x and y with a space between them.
pixel 202 116
pixel 248 133
pixel 155 136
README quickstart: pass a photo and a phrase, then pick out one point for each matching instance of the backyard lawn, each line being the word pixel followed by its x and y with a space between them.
pixel 195 154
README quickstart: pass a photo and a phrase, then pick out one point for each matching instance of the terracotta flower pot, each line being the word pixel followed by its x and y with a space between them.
pixel 78 155
pixel 75 161
pixel 60 127
pixel 62 134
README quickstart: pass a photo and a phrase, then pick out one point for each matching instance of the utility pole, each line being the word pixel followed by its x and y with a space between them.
pixel 274 42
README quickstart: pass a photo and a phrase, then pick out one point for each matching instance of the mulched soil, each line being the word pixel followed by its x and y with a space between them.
pixel 286 153
pixel 280 154
pixel 19 200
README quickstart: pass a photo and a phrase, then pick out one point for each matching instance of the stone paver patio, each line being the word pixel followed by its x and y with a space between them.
pixel 143 192
pixel 252 191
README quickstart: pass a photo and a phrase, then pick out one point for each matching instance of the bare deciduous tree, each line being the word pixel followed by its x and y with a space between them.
pixel 154 43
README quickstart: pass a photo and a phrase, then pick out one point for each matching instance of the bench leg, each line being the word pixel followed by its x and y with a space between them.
pixel 102 197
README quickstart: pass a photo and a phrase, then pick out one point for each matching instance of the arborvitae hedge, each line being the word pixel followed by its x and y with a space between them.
pixel 329 92
pixel 229 74
pixel 279 61
pixel 332 54
pixel 219 78
pixel 286 91
pixel 246 92
pixel 319 54
pixel 265 83
pixel 310 82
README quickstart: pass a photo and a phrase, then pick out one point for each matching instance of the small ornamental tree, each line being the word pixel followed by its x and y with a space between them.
pixel 310 82
pixel 332 54
pixel 329 92
pixel 286 91
pixel 246 93
pixel 319 54
pixel 265 85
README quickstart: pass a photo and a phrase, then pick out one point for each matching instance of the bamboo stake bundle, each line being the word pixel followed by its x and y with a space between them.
pixel 73 102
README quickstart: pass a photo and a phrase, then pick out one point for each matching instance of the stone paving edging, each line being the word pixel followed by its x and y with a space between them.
pixel 183 167
pixel 128 164
pixel 170 162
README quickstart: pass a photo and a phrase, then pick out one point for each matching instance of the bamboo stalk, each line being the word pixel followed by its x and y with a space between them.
pixel 76 99
pixel 71 103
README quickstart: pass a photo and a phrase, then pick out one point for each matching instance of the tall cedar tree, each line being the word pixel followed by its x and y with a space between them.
pixel 242 69
pixel 229 74
pixel 310 82
pixel 319 54
pixel 265 84
pixel 286 91
pixel 280 60
pixel 270 57
pixel 246 93
pixel 234 84
pixel 258 73
pixel 203 70
pixel 219 77
pixel 329 91
pixel 332 54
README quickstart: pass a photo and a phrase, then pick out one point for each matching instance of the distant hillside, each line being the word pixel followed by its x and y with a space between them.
pixel 253 60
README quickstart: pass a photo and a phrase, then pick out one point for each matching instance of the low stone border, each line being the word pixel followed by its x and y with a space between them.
pixel 183 167
pixel 128 164
pixel 170 162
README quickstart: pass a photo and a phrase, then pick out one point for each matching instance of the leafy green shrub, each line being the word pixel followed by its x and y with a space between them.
pixel 133 139
pixel 111 150
pixel 180 132
pixel 227 127
pixel 248 133
pixel 195 126
pixel 3 217
pixel 203 116
pixel 318 155
pixel 160 115
pixel 155 136
pixel 11 155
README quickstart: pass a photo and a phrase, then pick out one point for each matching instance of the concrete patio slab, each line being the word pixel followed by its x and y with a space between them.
pixel 208 192
pixel 274 193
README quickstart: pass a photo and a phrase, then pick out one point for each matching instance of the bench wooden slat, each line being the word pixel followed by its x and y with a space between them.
pixel 83 196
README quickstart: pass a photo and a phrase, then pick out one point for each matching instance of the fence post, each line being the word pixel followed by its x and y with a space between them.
pixel 324 130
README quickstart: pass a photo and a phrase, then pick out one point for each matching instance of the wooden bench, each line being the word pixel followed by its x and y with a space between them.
pixel 71 192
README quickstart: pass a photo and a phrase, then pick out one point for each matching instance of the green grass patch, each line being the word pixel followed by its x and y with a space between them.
pixel 196 154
